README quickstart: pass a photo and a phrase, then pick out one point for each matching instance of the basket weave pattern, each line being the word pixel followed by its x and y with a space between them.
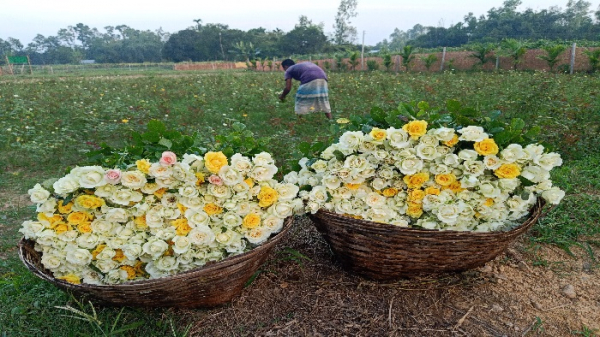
pixel 383 252
pixel 211 285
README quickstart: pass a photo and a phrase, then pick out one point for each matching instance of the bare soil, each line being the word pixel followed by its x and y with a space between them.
pixel 524 292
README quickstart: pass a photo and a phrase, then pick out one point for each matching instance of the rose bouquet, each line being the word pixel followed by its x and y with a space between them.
pixel 449 177
pixel 155 218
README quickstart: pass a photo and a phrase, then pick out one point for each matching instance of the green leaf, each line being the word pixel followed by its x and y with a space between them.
pixel 366 129
pixel 151 136
pixel 502 138
pixel 238 127
pixel 317 147
pixel 156 126
pixel 517 124
pixel 469 112
pixel 378 114
pixel 166 143
pixel 453 105
pixel 494 114
pixel 423 105
pixel 339 155
pixel 304 148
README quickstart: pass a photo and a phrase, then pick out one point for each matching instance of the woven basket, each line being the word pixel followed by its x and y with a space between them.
pixel 385 252
pixel 211 285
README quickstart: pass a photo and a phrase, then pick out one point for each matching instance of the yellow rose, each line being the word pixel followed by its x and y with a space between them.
pixel 267 196
pixel 353 187
pixel 71 278
pixel 199 178
pixel 212 209
pixel 61 227
pixel 486 147
pixel 160 192
pixel 64 209
pixel 97 251
pixel 508 171
pixel 89 201
pixel 452 141
pixel 76 218
pixel 454 187
pixel 181 208
pixel 445 179
pixel 182 226
pixel 140 222
pixel 249 182
pixel 143 165
pixel 415 196
pixel 119 256
pixel 414 210
pixel 378 134
pixel 432 190
pixel 84 227
pixel 130 271
pixel 415 129
pixel 390 192
pixel 488 202
pixel 251 220
pixel 416 180
pixel 214 161
pixel 52 220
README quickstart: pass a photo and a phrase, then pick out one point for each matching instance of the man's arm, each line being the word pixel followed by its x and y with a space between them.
pixel 288 88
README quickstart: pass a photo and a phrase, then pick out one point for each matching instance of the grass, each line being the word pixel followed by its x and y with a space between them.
pixel 48 123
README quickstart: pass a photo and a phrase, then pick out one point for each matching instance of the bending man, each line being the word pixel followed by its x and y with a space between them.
pixel 312 95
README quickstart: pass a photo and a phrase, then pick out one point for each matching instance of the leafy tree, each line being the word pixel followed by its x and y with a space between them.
pixel 353 60
pixel 515 49
pixel 407 56
pixel 183 46
pixel 345 33
pixel 553 51
pixel 372 65
pixel 429 60
pixel 594 58
pixel 387 61
pixel 306 38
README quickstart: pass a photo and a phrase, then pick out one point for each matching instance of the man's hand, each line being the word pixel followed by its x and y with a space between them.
pixel 282 98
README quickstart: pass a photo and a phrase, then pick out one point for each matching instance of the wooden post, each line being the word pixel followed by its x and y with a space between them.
pixel 362 53
pixel 443 59
pixel 9 65
pixel 573 57
pixel 497 62
pixel 30 69
pixel 397 66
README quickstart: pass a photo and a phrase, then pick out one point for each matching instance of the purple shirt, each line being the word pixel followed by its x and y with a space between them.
pixel 305 72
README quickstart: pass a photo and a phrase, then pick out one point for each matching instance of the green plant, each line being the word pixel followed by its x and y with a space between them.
pixel 339 63
pixel 387 61
pixel 480 52
pixel 594 58
pixel 515 49
pixel 585 331
pixel 553 52
pixel 354 60
pixel 407 56
pixel 429 60
pixel 372 65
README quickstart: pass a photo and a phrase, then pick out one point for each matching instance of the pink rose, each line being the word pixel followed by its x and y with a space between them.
pixel 215 180
pixel 168 158
pixel 113 176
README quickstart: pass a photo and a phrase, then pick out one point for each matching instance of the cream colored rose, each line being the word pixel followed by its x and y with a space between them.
pixel 221 192
pixel 273 224
pixel 89 176
pixel 472 134
pixel 160 171
pixel 38 194
pixel 375 200
pixel 351 140
pixel 452 160
pixel 473 167
pixel 263 159
pixel 492 162
pixel 181 244
pixel 257 235
pixel 51 261
pixel 133 179
pixel 443 134
pixel 398 138
pixel 202 235
pixel 263 173
pixel 48 206
pixel 427 152
pixel 65 185
pixel 554 195
pixel 535 173
pixel 232 220
pixel 488 190
pixel 132 251
pixel 155 247
pixel 318 194
pixel 188 191
pixel 282 209
pixel 470 155
pixel 291 178
pixel 116 215
pixel 105 191
pixel 287 191
pixel 125 196
pixel 79 257
pixel 241 163
pixel 549 161
pixel 409 166
pixel 512 153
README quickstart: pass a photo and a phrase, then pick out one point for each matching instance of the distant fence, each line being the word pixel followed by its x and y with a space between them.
pixel 65 69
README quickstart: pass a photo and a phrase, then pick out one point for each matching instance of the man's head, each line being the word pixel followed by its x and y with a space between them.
pixel 287 63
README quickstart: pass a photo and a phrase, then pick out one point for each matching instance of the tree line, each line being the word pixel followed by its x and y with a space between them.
pixel 215 41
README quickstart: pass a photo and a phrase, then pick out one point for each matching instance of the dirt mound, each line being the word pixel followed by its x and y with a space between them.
pixel 294 296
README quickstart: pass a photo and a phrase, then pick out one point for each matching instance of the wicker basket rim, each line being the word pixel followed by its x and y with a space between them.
pixel 534 213
pixel 205 269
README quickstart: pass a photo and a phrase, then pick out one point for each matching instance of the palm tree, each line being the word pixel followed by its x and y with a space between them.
pixel 553 51
pixel 515 49
pixel 480 52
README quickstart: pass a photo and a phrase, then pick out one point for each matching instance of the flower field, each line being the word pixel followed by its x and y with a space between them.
pixel 47 124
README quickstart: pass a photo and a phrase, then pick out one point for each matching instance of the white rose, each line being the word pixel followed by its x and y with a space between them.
pixel 168 182
pixel 549 161
pixel 448 213
pixel 318 194
pixel 133 179
pixel 410 165
pixel 443 134
pixel 375 200
pixel 488 190
pixel 427 223
pixel 473 167
pixel 154 217
pixel 343 206
pixel 105 191
pixel 160 171
pixel 386 172
pixel 105 265
pixel 400 222
pixel 232 220
pixel 512 153
pixel 452 160
pixel 188 191
pixel 132 251
pixel 116 215
pixel 171 213
pixel 257 235
pixel 80 257
pixel 379 184
pixel 191 159
pixel 319 166
pixel 150 188
pixel 65 185
pixel 468 155
pixel 125 196
pixel 535 174
pixel 287 191
pixel 351 140
pixel 508 185
pixel 273 223
pixel 230 175
pixel 155 247
pixel 469 181
pixel 48 206
pixel 534 151
pixel 282 209
pixel 90 176
pixel 115 276
pixel 472 133
pixel 220 191
pixel 429 139
pixel 166 263
pixel 202 235
pixel 51 261
pixel 193 203
pixel 31 229
pixel 291 178
pixel 427 152
pixel 356 162
pixel 181 244
pixel 263 159
pixel 554 195
pixel 491 162
pixel 398 138
pixel 263 173
pixel 312 207
pixel 38 194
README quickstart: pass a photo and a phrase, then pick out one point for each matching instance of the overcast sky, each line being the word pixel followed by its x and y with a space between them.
pixel 378 18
